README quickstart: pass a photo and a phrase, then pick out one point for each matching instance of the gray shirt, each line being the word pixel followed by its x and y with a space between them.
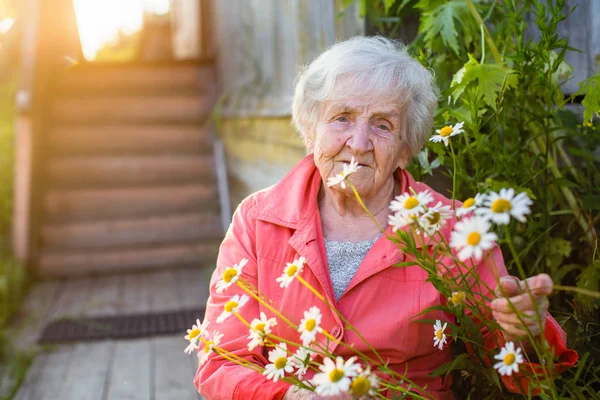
pixel 344 258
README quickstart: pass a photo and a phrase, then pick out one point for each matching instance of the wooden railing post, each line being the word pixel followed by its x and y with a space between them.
pixel 50 37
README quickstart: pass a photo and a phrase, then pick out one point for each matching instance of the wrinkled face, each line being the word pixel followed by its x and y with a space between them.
pixel 369 132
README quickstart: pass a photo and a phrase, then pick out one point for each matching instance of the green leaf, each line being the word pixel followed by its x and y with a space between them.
pixel 591 202
pixel 488 78
pixel 388 4
pixel 439 22
pixel 558 246
pixel 591 101
pixel 460 362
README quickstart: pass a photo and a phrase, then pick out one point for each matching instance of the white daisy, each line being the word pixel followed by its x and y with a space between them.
pixel 364 386
pixel 470 204
pixel 439 337
pixel 301 360
pixel 434 219
pixel 335 377
pixel 291 271
pixel 499 207
pixel 230 276
pixel 193 335
pixel 309 326
pixel 209 346
pixel 409 204
pixel 193 346
pixel 232 306
pixel 509 359
pixel 259 328
pixel 399 221
pixel 280 363
pixel 342 176
pixel 471 237
pixel 447 132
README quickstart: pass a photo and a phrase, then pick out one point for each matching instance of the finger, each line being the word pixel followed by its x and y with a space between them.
pixel 508 287
pixel 528 322
pixel 540 285
pixel 520 303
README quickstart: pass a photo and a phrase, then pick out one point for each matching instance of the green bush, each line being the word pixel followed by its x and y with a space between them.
pixel 504 82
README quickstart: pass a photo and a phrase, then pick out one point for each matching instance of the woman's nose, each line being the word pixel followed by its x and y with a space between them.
pixel 360 139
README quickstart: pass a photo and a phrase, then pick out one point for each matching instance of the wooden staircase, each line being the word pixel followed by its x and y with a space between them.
pixel 128 170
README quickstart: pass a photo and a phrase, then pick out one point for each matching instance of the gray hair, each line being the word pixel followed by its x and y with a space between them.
pixel 374 68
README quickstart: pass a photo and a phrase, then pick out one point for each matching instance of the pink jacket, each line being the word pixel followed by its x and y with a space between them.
pixel 281 223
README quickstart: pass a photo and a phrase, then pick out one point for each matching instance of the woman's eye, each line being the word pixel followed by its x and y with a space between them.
pixel 342 119
pixel 383 127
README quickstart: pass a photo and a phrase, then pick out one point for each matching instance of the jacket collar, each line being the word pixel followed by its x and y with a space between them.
pixel 292 202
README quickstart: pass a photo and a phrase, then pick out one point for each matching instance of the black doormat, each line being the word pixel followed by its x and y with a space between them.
pixel 120 327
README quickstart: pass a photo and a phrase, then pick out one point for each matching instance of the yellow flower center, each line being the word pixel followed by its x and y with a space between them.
pixel 501 206
pixel 446 131
pixel 439 334
pixel 194 333
pixel 458 297
pixel 260 327
pixel 207 346
pixel 360 386
pixel 509 359
pixel 474 238
pixel 434 218
pixel 230 305
pixel 291 270
pixel 229 274
pixel 469 202
pixel 280 363
pixel 411 203
pixel 310 325
pixel 336 375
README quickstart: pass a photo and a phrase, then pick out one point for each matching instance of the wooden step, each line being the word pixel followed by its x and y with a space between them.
pixel 129 170
pixel 129 139
pixel 163 229
pixel 94 79
pixel 73 263
pixel 178 108
pixel 102 204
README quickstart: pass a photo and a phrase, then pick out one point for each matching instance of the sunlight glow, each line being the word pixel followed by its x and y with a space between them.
pixel 6 24
pixel 100 22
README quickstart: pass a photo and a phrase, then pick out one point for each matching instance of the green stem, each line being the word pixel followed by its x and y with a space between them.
pixel 488 38
pixel 453 176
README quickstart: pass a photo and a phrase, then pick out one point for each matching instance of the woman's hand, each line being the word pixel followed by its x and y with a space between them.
pixel 525 302
pixel 303 394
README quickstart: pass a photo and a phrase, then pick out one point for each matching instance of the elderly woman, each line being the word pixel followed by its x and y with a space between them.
pixel 364 99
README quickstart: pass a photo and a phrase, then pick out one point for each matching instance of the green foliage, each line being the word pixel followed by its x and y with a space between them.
pixel 502 76
pixel 591 101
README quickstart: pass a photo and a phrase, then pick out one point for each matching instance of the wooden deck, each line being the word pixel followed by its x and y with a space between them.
pixel 153 368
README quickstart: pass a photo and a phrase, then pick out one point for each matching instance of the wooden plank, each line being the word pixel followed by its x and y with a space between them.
pixel 72 298
pixel 182 228
pixel 32 376
pixel 140 258
pixel 85 377
pixel 166 108
pixel 165 291
pixel 106 296
pixel 133 139
pixel 129 171
pixel 94 78
pixel 194 286
pixel 101 204
pixel 50 375
pixel 129 378
pixel 32 315
pixel 173 376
